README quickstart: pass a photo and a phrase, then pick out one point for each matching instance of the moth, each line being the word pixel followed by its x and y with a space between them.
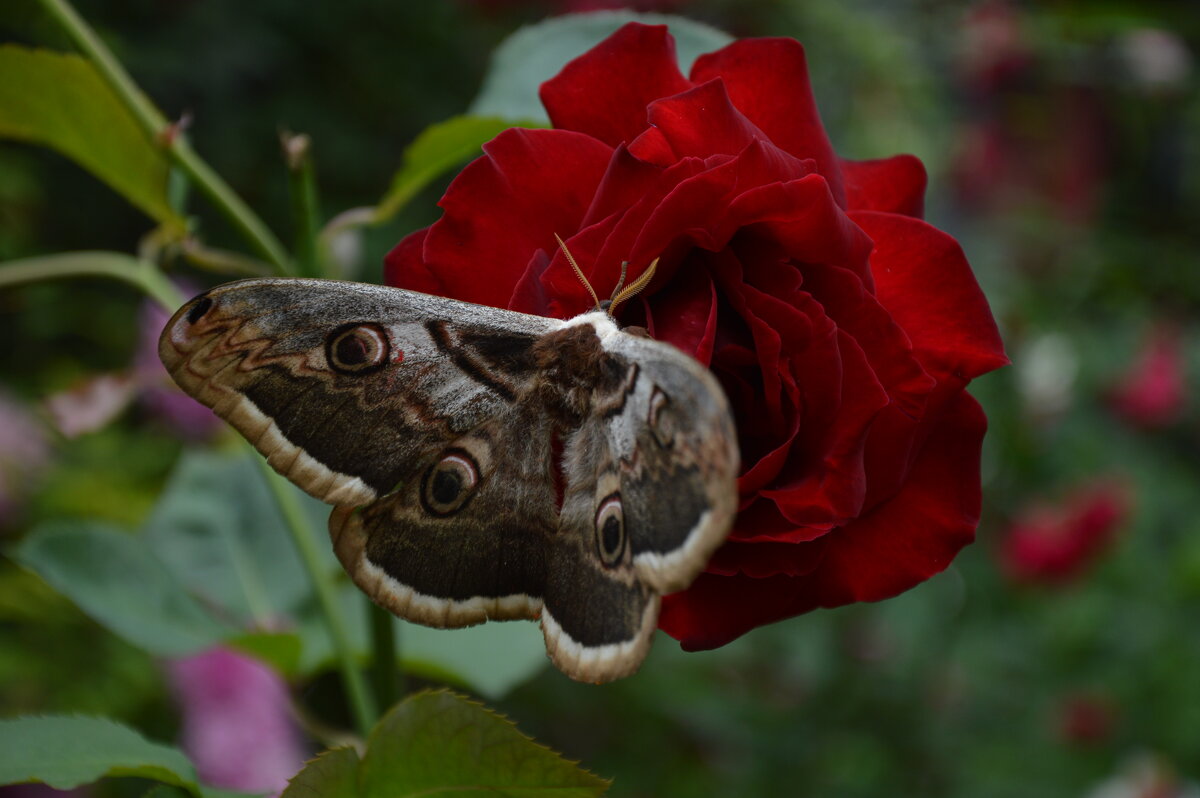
pixel 483 464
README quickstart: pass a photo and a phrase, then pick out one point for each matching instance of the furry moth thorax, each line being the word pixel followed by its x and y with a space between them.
pixel 483 464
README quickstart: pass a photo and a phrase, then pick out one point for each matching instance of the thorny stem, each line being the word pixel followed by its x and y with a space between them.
pixel 158 129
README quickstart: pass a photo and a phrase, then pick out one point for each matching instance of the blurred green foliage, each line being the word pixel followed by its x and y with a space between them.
pixel 1078 215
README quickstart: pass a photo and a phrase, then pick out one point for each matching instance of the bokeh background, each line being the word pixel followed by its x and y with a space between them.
pixel 1058 656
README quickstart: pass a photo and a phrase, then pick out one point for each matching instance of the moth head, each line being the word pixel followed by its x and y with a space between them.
pixel 621 292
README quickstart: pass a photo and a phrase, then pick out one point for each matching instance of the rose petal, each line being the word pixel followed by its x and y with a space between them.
pixel 405 267
pixel 605 91
pixel 761 522
pixel 688 309
pixel 627 180
pixel 529 294
pixel 924 281
pixel 903 542
pixel 535 183
pixel 702 121
pixel 891 185
pixel 803 218
pixel 767 79
pixel 601 248
pixel 652 147
pixel 857 311
pixel 762 560
pixel 824 481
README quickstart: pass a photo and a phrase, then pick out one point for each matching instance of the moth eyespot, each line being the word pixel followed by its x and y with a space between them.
pixel 202 306
pixel 357 348
pixel 661 419
pixel 450 483
pixel 610 530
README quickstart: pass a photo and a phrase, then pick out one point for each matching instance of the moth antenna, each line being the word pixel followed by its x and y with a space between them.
pixel 634 288
pixel 621 282
pixel 578 271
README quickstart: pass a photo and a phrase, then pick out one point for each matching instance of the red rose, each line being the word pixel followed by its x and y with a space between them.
pixel 1152 393
pixel 1053 543
pixel 1086 719
pixel 843 328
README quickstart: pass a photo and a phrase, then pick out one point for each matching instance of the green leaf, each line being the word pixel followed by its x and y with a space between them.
pixel 333 774
pixel 218 530
pixel 438 149
pixel 65 752
pixel 115 578
pixel 60 101
pixel 536 53
pixel 490 659
pixel 280 650
pixel 164 791
pixel 437 743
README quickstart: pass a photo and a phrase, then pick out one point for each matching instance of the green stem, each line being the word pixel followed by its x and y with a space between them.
pixel 361 703
pixel 157 128
pixel 141 273
pixel 302 186
pixel 384 673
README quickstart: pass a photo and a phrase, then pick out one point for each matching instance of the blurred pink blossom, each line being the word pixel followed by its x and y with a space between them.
pixel 1086 718
pixel 579 6
pixel 1052 543
pixel 1152 393
pixel 24 452
pixel 159 394
pixel 237 724
pixel 98 400
pixel 1033 141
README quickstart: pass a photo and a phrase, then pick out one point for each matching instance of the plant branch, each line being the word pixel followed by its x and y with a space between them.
pixel 141 273
pixel 362 705
pixel 158 129
pixel 384 673
pixel 302 186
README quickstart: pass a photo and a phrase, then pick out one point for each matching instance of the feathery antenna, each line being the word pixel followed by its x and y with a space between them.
pixel 620 294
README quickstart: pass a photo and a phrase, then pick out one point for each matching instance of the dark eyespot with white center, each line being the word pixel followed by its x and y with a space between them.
pixel 357 348
pixel 450 483
pixel 610 530
pixel 202 305
pixel 661 419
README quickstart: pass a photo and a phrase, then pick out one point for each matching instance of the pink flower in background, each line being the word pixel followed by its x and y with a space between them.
pixel 1086 719
pixel 24 452
pixel 1034 141
pixel 97 400
pixel 580 6
pixel 237 722
pixel 1052 543
pixel 159 394
pixel 1152 393
pixel 994 46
